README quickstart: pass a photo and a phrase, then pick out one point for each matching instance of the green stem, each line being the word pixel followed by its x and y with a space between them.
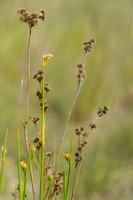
pixel 3 159
pixel 64 185
pixel 43 140
pixel 48 189
pixel 35 159
pixel 19 170
pixel 26 175
pixel 69 171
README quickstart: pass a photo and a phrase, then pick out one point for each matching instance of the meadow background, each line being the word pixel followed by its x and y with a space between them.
pixel 106 172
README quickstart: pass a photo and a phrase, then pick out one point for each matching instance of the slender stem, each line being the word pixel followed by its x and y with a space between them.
pixel 69 171
pixel 3 159
pixel 19 170
pixel 76 176
pixel 78 167
pixel 26 115
pixel 70 112
pixel 43 141
pixel 37 164
pixel 64 185
pixel 26 175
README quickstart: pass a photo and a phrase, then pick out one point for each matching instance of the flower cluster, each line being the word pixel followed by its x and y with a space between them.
pixel 81 145
pixel 38 76
pixel 58 186
pixel 81 74
pixel 80 132
pixel 38 143
pixel 88 45
pixel 34 119
pixel 31 18
pixel 102 111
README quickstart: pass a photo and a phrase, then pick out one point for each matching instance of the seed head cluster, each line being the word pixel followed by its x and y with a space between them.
pixel 34 119
pixel 88 45
pixel 31 18
pixel 38 76
pixel 83 135
pixel 38 143
pixel 102 111
pixel 81 145
pixel 58 185
pixel 81 73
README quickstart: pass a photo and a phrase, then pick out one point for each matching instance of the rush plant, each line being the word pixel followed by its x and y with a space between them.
pixel 54 183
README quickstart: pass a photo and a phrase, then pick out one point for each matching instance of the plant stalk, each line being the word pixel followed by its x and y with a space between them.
pixel 19 170
pixel 26 116
pixel 3 159
pixel 70 112
pixel 43 140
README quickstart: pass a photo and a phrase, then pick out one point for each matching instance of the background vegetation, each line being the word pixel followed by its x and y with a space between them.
pixel 106 172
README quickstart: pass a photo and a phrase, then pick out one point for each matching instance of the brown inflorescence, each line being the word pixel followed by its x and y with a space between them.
pixel 38 143
pixel 31 18
pixel 81 73
pixel 58 185
pixel 78 131
pixel 34 119
pixel 102 111
pixel 38 76
pixel 88 45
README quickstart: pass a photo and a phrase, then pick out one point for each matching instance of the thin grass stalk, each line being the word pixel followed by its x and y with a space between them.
pixel 43 138
pixel 69 171
pixel 64 185
pixel 35 159
pixel 19 169
pixel 26 116
pixel 70 112
pixel 78 167
pixel 3 160
pixel 76 176
pixel 51 184
pixel 26 175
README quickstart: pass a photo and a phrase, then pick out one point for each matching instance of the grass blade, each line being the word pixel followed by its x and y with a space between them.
pixel 69 171
pixel 64 185
pixel 43 138
pixel 26 175
pixel 3 159
pixel 19 170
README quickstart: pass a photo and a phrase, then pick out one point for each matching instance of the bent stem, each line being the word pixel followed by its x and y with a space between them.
pixel 70 112
pixel 26 116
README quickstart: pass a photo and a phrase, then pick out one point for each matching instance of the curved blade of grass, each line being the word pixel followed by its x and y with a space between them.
pixel 35 159
pixel 19 169
pixel 3 159
pixel 26 175
pixel 69 171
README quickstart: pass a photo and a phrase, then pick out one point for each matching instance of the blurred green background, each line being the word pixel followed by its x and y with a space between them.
pixel 106 172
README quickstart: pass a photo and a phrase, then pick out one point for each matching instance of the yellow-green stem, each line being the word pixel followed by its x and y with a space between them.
pixel 3 159
pixel 19 170
pixel 26 175
pixel 43 139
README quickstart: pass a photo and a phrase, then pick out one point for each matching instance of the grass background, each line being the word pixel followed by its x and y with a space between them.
pixel 106 172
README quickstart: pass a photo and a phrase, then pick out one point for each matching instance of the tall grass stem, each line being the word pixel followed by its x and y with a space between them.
pixel 19 169
pixel 3 160
pixel 43 138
